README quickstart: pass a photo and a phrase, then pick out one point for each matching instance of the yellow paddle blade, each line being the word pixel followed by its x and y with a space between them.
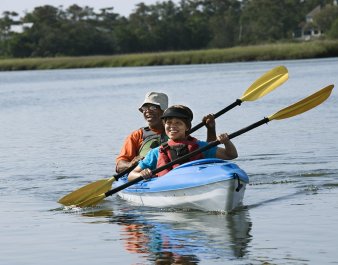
pixel 266 83
pixel 90 190
pixel 303 105
pixel 92 201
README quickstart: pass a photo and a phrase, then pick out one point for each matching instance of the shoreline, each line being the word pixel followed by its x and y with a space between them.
pixel 264 52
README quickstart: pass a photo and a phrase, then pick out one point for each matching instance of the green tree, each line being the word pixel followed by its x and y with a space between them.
pixel 56 32
pixel 333 32
pixel 141 25
pixel 45 37
pixel 223 22
pixel 262 21
pixel 325 18
pixel 6 22
pixel 196 33
pixel 291 15
pixel 172 30
pixel 191 24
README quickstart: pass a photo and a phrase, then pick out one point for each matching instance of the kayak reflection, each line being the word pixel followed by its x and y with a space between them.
pixel 183 237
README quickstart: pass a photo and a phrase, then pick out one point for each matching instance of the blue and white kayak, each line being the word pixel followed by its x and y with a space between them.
pixel 206 184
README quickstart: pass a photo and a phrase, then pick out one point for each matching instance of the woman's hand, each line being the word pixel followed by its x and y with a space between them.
pixel 209 121
pixel 146 173
pixel 139 172
pixel 229 151
pixel 223 138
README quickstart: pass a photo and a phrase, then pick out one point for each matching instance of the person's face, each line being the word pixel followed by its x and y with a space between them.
pixel 152 114
pixel 175 128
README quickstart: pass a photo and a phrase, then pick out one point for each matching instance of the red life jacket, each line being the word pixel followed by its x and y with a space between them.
pixel 173 150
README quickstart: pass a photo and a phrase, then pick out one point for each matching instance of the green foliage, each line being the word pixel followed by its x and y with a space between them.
pixel 326 17
pixel 164 26
pixel 333 32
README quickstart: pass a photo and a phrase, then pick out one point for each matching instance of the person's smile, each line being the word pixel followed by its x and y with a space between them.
pixel 175 129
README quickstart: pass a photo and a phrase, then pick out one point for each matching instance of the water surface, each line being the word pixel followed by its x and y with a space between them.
pixel 62 129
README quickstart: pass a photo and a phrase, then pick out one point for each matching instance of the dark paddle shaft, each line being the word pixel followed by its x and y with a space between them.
pixel 238 102
pixel 249 128
pixel 187 156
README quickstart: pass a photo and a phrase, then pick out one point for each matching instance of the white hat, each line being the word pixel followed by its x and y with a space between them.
pixel 156 98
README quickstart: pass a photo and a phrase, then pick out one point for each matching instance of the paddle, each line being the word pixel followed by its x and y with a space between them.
pixel 262 86
pixel 92 189
pixel 293 110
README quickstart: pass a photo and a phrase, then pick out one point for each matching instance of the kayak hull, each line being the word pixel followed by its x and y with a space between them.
pixel 206 184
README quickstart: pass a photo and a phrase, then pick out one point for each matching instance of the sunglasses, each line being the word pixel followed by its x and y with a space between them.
pixel 149 107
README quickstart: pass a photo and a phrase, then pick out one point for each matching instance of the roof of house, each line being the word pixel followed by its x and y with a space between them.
pixel 313 12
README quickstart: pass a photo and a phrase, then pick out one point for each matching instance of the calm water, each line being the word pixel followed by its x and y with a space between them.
pixel 62 129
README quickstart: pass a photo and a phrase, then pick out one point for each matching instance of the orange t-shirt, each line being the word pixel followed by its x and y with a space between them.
pixel 132 145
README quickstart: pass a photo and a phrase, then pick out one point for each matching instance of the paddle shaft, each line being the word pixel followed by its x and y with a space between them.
pixel 238 102
pixel 249 128
pixel 187 156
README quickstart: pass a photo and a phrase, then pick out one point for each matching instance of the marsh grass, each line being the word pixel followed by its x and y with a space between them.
pixel 280 51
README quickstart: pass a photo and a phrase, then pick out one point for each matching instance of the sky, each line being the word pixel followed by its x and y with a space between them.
pixel 122 7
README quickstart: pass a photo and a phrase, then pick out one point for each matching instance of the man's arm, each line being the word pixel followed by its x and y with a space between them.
pixel 124 164
pixel 129 152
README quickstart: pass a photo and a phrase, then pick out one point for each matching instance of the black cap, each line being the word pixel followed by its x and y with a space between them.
pixel 178 112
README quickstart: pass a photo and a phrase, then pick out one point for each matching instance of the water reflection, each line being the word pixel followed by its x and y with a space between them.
pixel 169 237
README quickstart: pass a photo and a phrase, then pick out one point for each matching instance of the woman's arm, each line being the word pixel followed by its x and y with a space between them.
pixel 145 166
pixel 210 123
pixel 139 172
pixel 229 151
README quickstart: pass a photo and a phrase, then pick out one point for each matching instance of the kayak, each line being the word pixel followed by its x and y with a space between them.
pixel 206 184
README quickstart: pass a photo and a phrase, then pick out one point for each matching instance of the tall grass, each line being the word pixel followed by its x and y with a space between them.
pixel 281 51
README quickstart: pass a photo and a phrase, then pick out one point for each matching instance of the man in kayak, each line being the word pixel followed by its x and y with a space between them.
pixel 177 122
pixel 140 141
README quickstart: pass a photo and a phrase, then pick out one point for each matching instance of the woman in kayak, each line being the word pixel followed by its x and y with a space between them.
pixel 177 122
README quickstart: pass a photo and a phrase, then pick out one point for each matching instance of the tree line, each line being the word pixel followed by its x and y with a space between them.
pixel 164 26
